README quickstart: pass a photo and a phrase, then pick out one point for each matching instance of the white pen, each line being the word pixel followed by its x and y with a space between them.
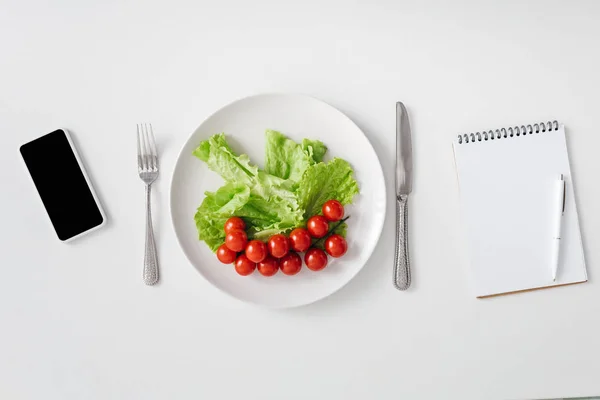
pixel 559 210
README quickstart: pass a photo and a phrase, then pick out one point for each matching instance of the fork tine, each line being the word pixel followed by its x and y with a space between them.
pixel 145 151
pixel 139 150
pixel 154 153
pixel 149 148
pixel 149 157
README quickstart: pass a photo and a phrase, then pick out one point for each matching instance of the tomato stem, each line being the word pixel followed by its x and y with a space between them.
pixel 330 231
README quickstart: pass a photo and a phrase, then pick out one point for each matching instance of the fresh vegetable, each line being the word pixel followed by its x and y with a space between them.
pixel 269 266
pixel 278 245
pixel 287 159
pixel 275 254
pixel 315 259
pixel 225 255
pixel 299 239
pixel 216 208
pixel 333 210
pixel 340 227
pixel 290 264
pixel 235 223
pixel 315 148
pixel 219 157
pixel 256 251
pixel 244 266
pixel 317 226
pixel 293 187
pixel 336 246
pixel 236 240
pixel 267 203
pixel 322 182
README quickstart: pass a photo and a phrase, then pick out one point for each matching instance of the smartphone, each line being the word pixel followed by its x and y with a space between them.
pixel 63 185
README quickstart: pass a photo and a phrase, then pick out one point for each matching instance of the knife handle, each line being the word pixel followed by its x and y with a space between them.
pixel 401 262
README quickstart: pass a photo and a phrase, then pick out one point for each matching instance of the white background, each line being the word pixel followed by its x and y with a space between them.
pixel 76 320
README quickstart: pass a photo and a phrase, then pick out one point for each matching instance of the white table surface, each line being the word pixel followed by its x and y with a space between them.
pixel 76 320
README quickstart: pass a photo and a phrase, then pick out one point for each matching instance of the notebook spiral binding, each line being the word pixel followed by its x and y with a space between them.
pixel 503 133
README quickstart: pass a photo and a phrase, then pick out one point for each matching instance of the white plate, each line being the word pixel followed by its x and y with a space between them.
pixel 244 122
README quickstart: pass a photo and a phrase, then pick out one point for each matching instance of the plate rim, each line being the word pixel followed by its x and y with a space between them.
pixel 379 230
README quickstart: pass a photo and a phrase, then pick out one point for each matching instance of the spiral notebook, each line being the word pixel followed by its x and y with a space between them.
pixel 506 179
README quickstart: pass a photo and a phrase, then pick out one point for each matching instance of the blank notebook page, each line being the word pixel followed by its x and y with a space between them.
pixel 507 199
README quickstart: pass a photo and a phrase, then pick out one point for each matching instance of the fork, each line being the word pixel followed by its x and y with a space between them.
pixel 148 170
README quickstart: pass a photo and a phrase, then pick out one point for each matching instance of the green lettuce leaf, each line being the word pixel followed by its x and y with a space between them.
pixel 322 182
pixel 268 203
pixel 266 218
pixel 263 219
pixel 287 159
pixel 214 211
pixel 237 169
pixel 220 158
pixel 293 187
pixel 315 148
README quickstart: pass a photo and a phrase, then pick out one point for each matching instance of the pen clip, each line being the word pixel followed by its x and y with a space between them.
pixel 564 193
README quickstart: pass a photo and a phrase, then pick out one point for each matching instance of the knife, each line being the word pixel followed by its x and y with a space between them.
pixel 403 189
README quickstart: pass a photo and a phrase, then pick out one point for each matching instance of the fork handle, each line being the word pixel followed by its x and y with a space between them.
pixel 150 258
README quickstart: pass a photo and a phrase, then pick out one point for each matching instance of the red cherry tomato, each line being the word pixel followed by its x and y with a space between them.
pixel 336 245
pixel 333 210
pixel 225 255
pixel 234 223
pixel 291 263
pixel 317 226
pixel 315 259
pixel 244 266
pixel 256 251
pixel 236 240
pixel 278 245
pixel 269 266
pixel 299 239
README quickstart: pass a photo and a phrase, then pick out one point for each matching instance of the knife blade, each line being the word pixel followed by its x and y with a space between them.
pixel 403 152
pixel 403 188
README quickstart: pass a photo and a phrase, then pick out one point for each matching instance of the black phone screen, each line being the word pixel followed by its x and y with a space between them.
pixel 61 184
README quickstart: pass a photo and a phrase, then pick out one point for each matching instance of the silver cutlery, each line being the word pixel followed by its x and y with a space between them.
pixel 148 170
pixel 403 189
